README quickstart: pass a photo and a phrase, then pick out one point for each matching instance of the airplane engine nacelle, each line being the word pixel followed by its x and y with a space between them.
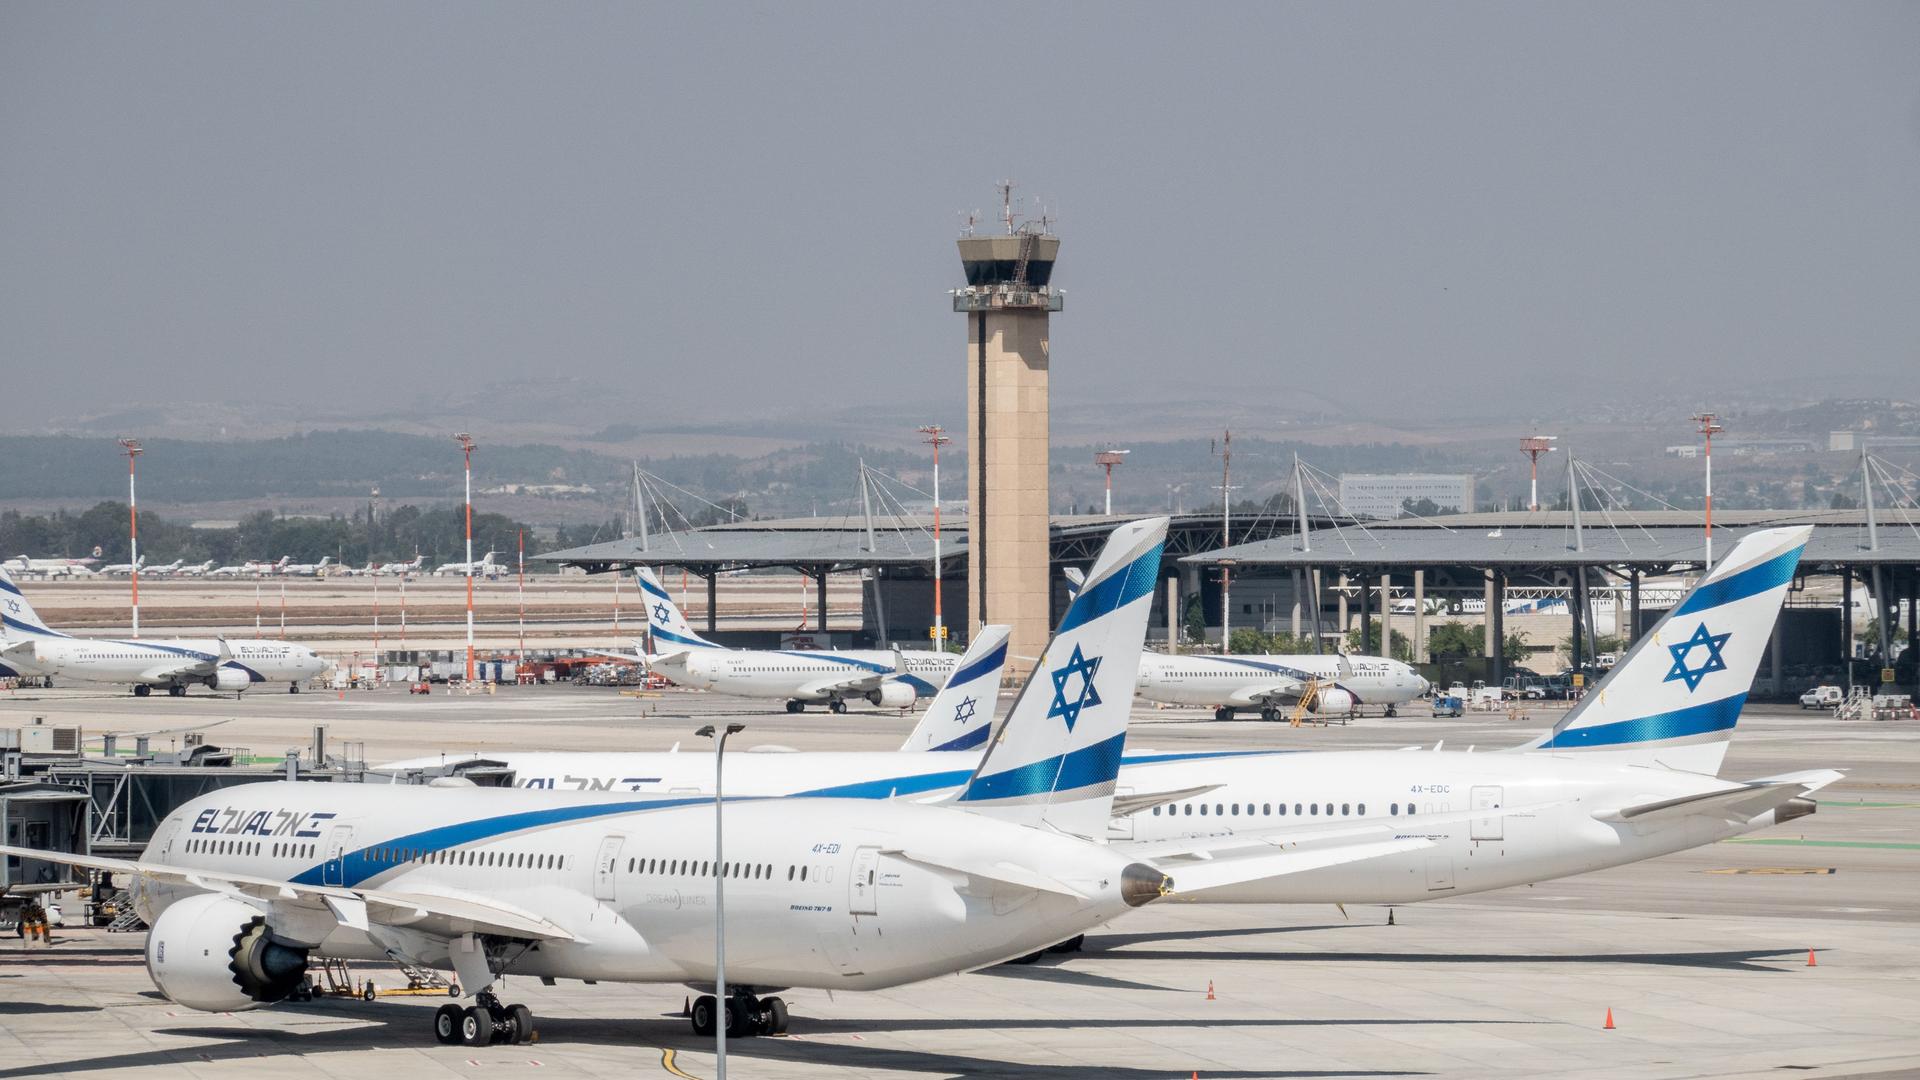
pixel 214 953
pixel 895 695
pixel 1332 702
pixel 230 679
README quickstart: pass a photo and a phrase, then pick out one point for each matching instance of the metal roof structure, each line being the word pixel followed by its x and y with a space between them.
pixel 1541 539
pixel 828 544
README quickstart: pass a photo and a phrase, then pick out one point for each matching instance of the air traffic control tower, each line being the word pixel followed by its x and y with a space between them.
pixel 1007 300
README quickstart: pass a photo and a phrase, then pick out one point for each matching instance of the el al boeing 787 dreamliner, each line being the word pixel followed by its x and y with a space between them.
pixel 29 647
pixel 1630 773
pixel 243 887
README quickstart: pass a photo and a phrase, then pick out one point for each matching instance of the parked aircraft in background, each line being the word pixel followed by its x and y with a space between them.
pixel 196 570
pixel 252 568
pixel 1335 685
pixel 320 569
pixel 400 568
pixel 50 568
pixel 481 567
pixel 125 569
pixel 29 647
pixel 894 678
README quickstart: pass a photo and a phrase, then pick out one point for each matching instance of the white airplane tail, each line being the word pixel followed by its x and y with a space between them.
pixel 961 714
pixel 670 629
pixel 1057 754
pixel 1674 699
pixel 17 617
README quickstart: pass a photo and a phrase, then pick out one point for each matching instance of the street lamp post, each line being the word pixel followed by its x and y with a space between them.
pixel 719 903
pixel 466 445
pixel 1709 427
pixel 133 450
pixel 936 438
pixel 1108 459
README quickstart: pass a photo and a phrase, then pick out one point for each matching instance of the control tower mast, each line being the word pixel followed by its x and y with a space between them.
pixel 1007 300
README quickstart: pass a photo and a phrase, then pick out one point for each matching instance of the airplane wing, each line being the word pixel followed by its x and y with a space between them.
pixel 853 681
pixel 1193 849
pixel 1739 802
pixel 1281 691
pixel 436 914
pixel 1236 869
pixel 18 647
pixel 188 666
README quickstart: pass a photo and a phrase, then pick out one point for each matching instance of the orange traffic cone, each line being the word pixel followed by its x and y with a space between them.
pixel 1210 996
pixel 1608 1026
pixel 1811 962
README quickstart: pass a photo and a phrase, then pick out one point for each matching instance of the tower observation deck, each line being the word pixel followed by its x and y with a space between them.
pixel 1007 300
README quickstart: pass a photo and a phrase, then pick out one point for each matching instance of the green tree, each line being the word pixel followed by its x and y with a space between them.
pixel 1402 647
pixel 1454 639
pixel 1196 620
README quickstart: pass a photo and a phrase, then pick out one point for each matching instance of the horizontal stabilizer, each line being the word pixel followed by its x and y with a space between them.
pixel 1124 805
pixel 1739 802
pixel 1003 873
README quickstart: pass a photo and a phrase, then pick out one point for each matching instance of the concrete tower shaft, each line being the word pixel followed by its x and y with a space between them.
pixel 1007 301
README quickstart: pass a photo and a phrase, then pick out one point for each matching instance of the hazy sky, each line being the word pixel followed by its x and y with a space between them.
pixel 1396 203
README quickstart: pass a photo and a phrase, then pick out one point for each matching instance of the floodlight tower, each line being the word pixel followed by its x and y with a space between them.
pixel 1709 427
pixel 1109 458
pixel 131 447
pixel 1007 300
pixel 466 446
pixel 936 437
pixel 1533 446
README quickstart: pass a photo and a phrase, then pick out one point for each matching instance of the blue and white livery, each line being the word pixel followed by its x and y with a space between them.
pixel 894 678
pixel 29 647
pixel 960 717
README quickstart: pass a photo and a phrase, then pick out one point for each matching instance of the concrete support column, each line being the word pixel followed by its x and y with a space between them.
pixel 1386 615
pixel 1296 604
pixel 1774 648
pixel 1366 616
pixel 1173 615
pixel 1313 601
pixel 1889 612
pixel 880 611
pixel 1486 627
pixel 1576 607
pixel 1342 602
pixel 1633 603
pixel 820 591
pixel 1497 618
pixel 1419 616
pixel 713 602
pixel 1846 622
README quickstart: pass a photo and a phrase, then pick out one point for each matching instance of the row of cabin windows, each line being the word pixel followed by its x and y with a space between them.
pixel 1272 809
pixel 699 868
pixel 217 846
pixel 389 856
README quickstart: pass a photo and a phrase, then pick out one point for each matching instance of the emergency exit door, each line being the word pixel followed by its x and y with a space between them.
pixel 1486 801
pixel 863 886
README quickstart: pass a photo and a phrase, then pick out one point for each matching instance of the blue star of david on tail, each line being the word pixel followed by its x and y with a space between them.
pixel 660 613
pixel 963 712
pixel 1067 708
pixel 1713 643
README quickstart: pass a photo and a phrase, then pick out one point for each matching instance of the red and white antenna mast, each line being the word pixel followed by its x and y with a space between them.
pixel 1709 427
pixel 1533 446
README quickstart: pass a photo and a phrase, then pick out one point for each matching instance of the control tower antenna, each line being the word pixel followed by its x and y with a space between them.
pixel 1006 204
pixel 1533 446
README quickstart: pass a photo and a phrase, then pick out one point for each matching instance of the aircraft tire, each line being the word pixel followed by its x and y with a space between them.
pixel 702 1015
pixel 1222 714
pixel 520 1019
pixel 774 1016
pixel 142 690
pixel 476 1026
pixel 795 706
pixel 837 707
pixel 446 1024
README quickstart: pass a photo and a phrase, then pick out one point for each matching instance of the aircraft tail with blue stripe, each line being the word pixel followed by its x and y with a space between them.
pixel 961 715
pixel 1673 700
pixel 1056 756
pixel 17 618
pixel 669 628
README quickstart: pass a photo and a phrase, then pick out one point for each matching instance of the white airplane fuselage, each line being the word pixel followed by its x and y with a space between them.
pixel 802 676
pixel 1540 824
pixel 1241 681
pixel 818 893
pixel 140 662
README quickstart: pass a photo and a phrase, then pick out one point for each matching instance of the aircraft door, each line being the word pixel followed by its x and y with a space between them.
pixel 603 867
pixel 339 842
pixel 1487 799
pixel 863 886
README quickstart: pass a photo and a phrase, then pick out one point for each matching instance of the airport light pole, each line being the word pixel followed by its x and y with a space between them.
pixel 133 451
pixel 1109 458
pixel 1709 427
pixel 466 445
pixel 1533 446
pixel 719 903
pixel 937 437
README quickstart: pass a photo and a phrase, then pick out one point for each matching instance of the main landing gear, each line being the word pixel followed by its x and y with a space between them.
pixel 142 690
pixel 293 688
pixel 836 706
pixel 796 706
pixel 176 691
pixel 1392 711
pixel 486 1021
pixel 1223 714
pixel 746 1015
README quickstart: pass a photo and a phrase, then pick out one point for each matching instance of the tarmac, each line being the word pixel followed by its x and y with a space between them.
pixel 1701 958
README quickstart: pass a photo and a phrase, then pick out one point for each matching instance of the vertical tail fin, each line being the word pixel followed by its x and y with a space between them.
pixel 1674 698
pixel 671 631
pixel 1057 754
pixel 17 617
pixel 960 716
